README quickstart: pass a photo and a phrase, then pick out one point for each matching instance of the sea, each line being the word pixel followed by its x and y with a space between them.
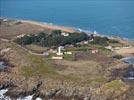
pixel 107 17
pixel 129 60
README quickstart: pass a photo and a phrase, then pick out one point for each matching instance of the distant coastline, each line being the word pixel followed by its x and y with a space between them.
pixel 50 26
pixel 106 17
pixel 71 29
pixel 53 26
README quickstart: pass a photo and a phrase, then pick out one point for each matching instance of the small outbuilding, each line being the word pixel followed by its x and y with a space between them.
pixel 68 52
pixel 65 34
pixel 57 58
pixel 94 51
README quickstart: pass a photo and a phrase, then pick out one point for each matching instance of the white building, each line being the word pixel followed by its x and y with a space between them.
pixel 65 34
pixel 59 53
pixel 85 42
pixel 94 51
pixel 57 58
pixel 20 36
pixel 69 53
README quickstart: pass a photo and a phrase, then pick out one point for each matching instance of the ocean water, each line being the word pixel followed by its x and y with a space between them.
pixel 107 17
pixel 129 60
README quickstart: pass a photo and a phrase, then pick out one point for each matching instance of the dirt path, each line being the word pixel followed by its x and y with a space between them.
pixel 29 51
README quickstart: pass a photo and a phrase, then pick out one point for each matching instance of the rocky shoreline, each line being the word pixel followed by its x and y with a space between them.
pixel 35 92
pixel 5 65
pixel 62 92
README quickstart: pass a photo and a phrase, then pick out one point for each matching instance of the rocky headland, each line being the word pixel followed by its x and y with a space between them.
pixel 82 76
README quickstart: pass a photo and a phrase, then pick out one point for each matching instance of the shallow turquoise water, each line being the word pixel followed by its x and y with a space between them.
pixel 109 17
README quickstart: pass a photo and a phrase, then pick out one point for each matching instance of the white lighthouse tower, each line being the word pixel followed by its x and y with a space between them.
pixel 59 53
pixel 95 32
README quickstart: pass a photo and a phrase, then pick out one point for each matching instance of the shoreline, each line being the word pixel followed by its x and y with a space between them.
pixel 49 26
pixel 122 51
pixel 71 29
pixel 43 24
pixel 53 26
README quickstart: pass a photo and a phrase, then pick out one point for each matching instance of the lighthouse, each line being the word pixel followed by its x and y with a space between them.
pixel 59 53
pixel 95 32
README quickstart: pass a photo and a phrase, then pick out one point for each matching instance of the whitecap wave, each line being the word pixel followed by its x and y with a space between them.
pixel 2 96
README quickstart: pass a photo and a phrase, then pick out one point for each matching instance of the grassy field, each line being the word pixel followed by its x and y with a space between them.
pixel 68 57
pixel 36 48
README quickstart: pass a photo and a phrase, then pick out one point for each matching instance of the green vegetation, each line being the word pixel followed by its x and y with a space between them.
pixel 53 39
pixel 68 57
pixel 38 66
pixel 105 51
pixel 27 71
pixel 56 33
pixel 72 77
pixel 116 85
pixel 97 80
pixel 118 56
pixel 81 48
pixel 36 48
pixel 57 39
pixel 113 41
pixel 100 41
pixel 111 90
pixel 104 41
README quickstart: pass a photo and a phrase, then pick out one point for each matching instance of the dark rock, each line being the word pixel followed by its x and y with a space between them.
pixel 52 93
pixel 6 85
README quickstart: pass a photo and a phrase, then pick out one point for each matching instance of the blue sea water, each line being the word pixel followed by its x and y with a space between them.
pixel 108 17
pixel 129 60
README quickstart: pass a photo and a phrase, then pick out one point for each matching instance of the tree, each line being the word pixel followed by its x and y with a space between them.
pixel 100 40
pixel 49 40
pixel 56 33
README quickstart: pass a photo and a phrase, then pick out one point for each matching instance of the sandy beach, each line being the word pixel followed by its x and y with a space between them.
pixel 49 26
